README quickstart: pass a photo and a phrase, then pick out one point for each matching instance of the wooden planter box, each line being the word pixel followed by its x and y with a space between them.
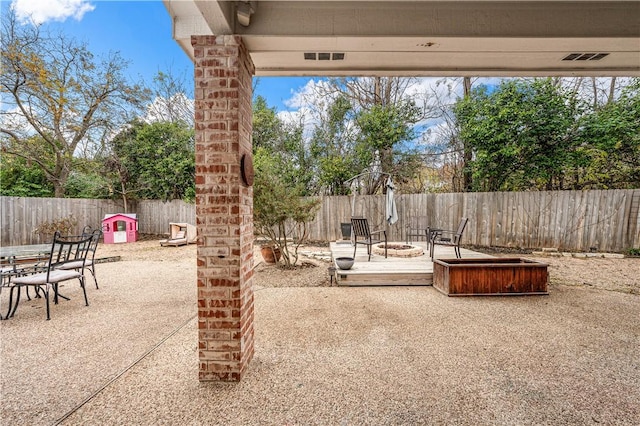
pixel 490 276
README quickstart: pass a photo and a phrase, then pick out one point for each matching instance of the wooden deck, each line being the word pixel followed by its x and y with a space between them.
pixel 392 270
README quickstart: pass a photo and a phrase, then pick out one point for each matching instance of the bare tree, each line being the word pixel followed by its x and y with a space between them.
pixel 59 101
pixel 172 99
pixel 378 103
pixel 447 151
pixel 595 91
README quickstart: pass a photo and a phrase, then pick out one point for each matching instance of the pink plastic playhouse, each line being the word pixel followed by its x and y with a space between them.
pixel 120 228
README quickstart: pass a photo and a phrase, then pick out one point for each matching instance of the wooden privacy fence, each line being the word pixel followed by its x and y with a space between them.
pixel 20 216
pixel 154 216
pixel 570 220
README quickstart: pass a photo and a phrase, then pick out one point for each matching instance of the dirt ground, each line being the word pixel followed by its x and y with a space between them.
pixel 621 275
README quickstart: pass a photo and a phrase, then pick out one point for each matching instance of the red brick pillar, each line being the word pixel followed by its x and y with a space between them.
pixel 224 206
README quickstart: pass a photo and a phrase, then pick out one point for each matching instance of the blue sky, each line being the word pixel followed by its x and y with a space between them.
pixel 141 32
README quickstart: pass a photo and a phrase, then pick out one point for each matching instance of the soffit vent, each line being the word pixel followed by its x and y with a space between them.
pixel 584 56
pixel 324 56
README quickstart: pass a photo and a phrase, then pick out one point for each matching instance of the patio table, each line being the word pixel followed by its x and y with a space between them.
pixel 27 256
pixel 25 250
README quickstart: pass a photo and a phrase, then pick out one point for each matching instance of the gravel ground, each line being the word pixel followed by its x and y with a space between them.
pixel 612 274
pixel 328 355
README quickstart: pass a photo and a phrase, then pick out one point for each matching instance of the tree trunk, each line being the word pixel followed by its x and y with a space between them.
pixel 467 176
pixel 60 181
pixel 612 90
pixel 124 197
pixel 58 190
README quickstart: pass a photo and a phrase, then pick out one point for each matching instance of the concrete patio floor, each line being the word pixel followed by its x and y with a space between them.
pixel 323 355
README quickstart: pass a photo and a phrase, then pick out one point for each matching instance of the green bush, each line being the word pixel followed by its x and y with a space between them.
pixel 633 252
pixel 279 213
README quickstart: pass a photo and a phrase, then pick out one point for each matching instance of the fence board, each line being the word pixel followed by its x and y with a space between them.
pixel 20 216
pixel 570 220
pixel 154 216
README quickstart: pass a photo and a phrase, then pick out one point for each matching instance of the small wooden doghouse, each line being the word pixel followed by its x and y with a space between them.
pixel 180 234
pixel 120 228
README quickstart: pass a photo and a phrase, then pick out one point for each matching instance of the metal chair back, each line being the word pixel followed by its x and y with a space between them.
pixel 360 227
pixel 67 250
pixel 460 230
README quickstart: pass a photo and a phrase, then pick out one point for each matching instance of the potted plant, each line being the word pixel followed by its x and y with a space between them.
pixel 270 253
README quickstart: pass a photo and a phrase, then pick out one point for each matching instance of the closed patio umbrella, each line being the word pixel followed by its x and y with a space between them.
pixel 391 211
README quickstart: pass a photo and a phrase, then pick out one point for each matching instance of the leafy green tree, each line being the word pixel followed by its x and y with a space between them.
pixel 54 88
pixel 20 178
pixel 333 147
pixel 153 161
pixel 379 114
pixel 87 181
pixel 167 156
pixel 299 167
pixel 283 174
pixel 284 141
pixel 523 135
pixel 267 127
pixel 385 134
pixel 610 149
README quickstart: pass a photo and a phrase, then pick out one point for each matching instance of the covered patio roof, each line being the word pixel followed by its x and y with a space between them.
pixel 423 38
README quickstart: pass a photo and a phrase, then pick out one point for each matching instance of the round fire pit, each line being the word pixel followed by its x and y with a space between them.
pixel 398 250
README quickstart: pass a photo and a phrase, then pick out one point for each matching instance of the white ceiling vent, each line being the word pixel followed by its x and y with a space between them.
pixel 584 56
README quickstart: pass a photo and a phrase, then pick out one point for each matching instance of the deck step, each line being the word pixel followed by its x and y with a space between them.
pixel 392 271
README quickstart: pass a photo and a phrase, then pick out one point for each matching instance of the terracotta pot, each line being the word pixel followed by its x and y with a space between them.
pixel 270 254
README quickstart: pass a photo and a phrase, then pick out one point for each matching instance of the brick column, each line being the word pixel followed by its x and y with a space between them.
pixel 224 206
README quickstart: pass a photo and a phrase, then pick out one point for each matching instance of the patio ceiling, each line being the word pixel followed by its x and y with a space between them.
pixel 423 38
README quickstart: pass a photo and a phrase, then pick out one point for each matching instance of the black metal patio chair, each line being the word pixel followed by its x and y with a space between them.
pixel 448 238
pixel 417 228
pixel 20 266
pixel 360 229
pixel 64 251
pixel 90 262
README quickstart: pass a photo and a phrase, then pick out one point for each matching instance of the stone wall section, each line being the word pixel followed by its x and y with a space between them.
pixel 224 207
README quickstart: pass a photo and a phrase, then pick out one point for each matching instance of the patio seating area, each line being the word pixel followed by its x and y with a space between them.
pixel 380 271
pixel 323 355
pixel 43 268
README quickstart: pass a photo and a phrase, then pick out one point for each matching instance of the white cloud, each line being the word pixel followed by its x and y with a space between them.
pixel 40 11
pixel 309 94
pixel 13 119
pixel 306 104
pixel 177 107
